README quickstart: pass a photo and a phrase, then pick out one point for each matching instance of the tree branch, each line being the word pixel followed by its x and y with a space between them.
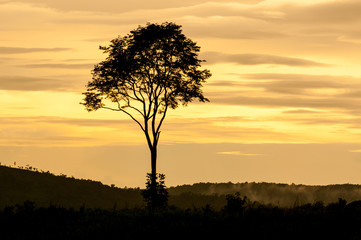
pixel 161 121
pixel 122 110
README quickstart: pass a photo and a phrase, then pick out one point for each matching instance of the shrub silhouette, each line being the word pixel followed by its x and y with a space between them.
pixel 155 194
pixel 235 203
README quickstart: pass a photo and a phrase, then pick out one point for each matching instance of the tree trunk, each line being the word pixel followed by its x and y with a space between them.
pixel 153 152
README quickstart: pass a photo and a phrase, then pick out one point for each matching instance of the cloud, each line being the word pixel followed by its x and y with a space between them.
pixel 303 84
pixel 188 130
pixel 301 81
pixel 294 77
pixel 225 83
pixel 60 65
pixel 242 19
pixel 17 50
pixel 85 122
pixel 355 151
pixel 320 23
pixel 301 111
pixel 257 59
pixel 23 83
pixel 201 18
pixel 230 28
pixel 215 129
pixel 238 153
pixel 31 136
pixel 115 6
pixel 334 12
pixel 290 84
pixel 311 99
pixel 283 102
pixel 330 120
pixel 102 39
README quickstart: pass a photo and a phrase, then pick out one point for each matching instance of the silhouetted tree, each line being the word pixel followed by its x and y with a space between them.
pixel 150 70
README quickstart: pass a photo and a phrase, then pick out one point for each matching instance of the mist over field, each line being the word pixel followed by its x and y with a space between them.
pixel 284 195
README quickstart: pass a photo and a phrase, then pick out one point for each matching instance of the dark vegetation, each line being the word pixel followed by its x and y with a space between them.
pixel 40 205
pixel 245 220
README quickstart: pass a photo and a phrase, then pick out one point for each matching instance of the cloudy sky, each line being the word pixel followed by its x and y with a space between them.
pixel 285 95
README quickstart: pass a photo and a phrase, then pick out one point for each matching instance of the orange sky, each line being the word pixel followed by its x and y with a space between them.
pixel 284 96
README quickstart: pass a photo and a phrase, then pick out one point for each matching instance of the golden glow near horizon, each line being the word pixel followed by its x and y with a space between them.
pixel 283 72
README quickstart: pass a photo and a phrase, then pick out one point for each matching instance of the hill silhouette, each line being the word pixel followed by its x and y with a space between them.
pixel 44 189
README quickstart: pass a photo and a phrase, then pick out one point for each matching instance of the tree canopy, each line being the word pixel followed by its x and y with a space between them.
pixel 148 71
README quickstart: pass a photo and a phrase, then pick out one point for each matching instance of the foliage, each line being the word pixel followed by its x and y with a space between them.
pixel 154 65
pixel 156 196
pixel 153 68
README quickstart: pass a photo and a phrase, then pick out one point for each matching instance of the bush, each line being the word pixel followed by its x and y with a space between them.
pixel 155 194
pixel 235 203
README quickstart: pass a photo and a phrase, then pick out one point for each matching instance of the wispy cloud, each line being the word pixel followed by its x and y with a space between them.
pixel 114 6
pixel 331 79
pixel 312 92
pixel 68 121
pixel 324 12
pixel 60 65
pixel 355 151
pixel 257 59
pixel 23 83
pixel 301 111
pixel 237 153
pixel 328 86
pixel 277 101
pixel 17 50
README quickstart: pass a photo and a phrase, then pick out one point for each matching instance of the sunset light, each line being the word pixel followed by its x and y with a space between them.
pixel 285 91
